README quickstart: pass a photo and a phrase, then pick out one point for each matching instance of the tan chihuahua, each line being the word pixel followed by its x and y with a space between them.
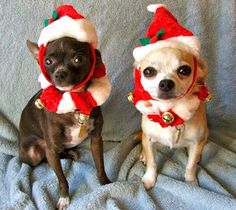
pixel 170 92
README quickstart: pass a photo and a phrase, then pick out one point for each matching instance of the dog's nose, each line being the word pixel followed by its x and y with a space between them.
pixel 166 85
pixel 60 76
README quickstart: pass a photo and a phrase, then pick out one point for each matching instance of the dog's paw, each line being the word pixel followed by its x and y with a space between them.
pixel 70 154
pixel 149 180
pixel 142 157
pixel 104 180
pixel 74 155
pixel 63 203
pixel 191 178
pixel 193 182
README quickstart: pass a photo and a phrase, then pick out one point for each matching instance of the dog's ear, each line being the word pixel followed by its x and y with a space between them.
pixel 98 58
pixel 135 64
pixel 33 48
pixel 202 70
pixel 202 64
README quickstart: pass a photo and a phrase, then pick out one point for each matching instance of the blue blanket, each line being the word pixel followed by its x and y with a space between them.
pixel 120 24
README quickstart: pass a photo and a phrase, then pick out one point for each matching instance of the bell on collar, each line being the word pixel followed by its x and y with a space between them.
pixel 130 97
pixel 39 104
pixel 209 97
pixel 168 117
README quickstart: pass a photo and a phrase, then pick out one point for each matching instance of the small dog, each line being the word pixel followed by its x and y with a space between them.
pixel 170 93
pixel 168 80
pixel 49 135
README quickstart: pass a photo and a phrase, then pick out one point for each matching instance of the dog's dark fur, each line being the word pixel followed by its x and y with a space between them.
pixel 43 134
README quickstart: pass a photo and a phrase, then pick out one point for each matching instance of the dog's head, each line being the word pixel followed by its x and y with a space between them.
pixel 66 60
pixel 167 73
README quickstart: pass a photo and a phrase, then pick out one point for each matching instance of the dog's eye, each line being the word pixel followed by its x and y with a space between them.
pixel 184 70
pixel 48 62
pixel 149 72
pixel 78 59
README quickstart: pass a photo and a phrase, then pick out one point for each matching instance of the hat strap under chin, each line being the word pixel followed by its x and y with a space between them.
pixel 194 77
pixel 90 72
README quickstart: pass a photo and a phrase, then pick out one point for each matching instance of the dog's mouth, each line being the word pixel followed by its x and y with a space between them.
pixel 160 95
pixel 62 85
pixel 163 96
pixel 64 88
pixel 167 96
pixel 66 82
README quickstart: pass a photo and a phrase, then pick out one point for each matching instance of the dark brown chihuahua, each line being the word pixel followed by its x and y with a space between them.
pixel 48 136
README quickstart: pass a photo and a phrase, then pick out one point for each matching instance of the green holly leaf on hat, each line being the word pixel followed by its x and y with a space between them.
pixel 144 41
pixel 160 33
pixel 55 15
pixel 46 22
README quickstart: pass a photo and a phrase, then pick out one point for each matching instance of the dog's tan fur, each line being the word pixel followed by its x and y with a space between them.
pixel 194 132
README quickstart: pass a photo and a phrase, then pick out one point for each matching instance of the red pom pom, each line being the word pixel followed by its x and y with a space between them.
pixel 203 93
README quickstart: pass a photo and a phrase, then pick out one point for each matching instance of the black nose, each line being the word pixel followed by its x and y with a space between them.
pixel 60 76
pixel 166 85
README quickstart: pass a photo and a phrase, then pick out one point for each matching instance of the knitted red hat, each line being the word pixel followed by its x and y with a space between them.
pixel 165 31
pixel 67 22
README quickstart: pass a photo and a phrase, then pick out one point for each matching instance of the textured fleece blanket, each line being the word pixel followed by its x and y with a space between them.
pixel 119 25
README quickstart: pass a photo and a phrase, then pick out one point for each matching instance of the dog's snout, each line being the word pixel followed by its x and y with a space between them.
pixel 61 75
pixel 166 85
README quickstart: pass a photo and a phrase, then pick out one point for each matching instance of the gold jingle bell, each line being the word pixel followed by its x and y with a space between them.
pixel 209 97
pixel 130 97
pixel 39 104
pixel 167 117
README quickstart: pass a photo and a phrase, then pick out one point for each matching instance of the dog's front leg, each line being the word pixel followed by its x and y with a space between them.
pixel 194 154
pixel 52 151
pixel 150 176
pixel 53 159
pixel 97 149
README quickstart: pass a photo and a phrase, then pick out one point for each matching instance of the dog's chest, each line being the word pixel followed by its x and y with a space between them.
pixel 180 136
pixel 72 132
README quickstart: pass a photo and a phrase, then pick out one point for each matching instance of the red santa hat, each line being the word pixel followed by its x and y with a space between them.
pixel 165 31
pixel 67 22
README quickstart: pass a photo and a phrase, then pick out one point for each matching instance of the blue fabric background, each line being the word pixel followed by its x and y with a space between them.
pixel 120 24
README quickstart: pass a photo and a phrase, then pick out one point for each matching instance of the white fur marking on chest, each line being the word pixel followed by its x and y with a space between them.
pixel 74 133
pixel 168 136
pixel 165 136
